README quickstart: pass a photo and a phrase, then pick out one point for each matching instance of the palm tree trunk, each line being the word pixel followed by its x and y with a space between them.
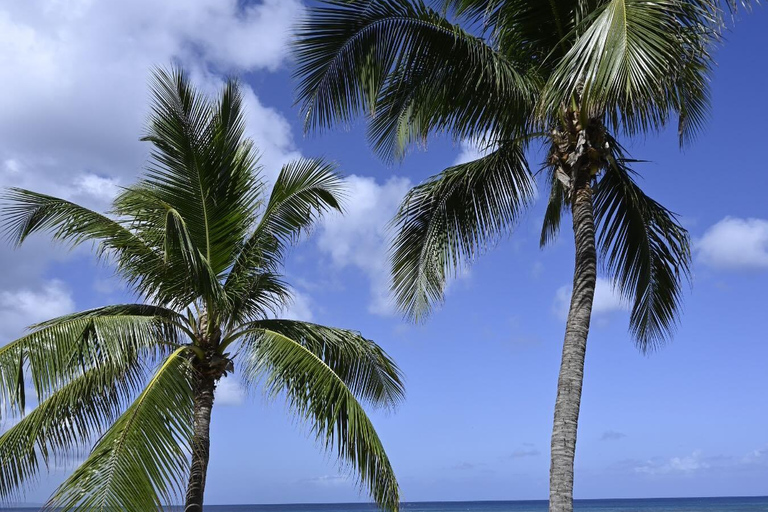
pixel 204 389
pixel 574 348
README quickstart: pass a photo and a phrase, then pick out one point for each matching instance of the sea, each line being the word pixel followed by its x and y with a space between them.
pixel 743 504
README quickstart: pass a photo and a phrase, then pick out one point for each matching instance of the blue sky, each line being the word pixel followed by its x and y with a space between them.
pixel 688 420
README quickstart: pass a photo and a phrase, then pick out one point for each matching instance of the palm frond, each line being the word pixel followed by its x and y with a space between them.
pixel 449 220
pixel 304 190
pixel 140 462
pixel 360 363
pixel 26 212
pixel 320 396
pixel 69 419
pixel 255 295
pixel 60 349
pixel 644 249
pixel 202 166
pixel 410 68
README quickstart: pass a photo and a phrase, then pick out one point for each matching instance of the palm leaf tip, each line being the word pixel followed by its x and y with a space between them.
pixel 322 371
pixel 448 221
pixel 645 249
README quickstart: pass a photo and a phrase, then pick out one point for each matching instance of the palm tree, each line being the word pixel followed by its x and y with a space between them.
pixel 199 241
pixel 571 75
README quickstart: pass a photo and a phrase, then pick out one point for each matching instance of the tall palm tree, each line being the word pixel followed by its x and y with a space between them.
pixel 572 75
pixel 199 240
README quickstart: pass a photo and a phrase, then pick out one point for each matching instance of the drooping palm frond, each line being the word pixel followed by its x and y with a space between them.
pixel 556 205
pixel 637 63
pixel 410 68
pixel 68 420
pixel 644 249
pixel 138 463
pixel 26 212
pixel 451 219
pixel 318 395
pixel 60 349
pixel 360 363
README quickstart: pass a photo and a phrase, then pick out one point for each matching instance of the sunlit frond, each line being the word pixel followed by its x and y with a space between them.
pixel 637 63
pixel 202 166
pixel 141 460
pixel 304 190
pixel 59 350
pixel 360 363
pixel 320 396
pixel 71 418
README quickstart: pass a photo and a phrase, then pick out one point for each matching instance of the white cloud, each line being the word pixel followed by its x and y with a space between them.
pixel 359 238
pixel 300 307
pixel 20 308
pixel 696 462
pixel 471 150
pixel 73 76
pixel 607 299
pixel 735 243
pixel 98 187
pixel 229 392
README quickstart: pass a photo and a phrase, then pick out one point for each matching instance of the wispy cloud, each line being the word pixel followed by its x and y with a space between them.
pixel 694 463
pixel 522 453
pixel 326 480
pixel 612 435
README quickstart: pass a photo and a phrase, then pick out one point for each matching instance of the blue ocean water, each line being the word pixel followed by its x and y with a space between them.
pixel 745 504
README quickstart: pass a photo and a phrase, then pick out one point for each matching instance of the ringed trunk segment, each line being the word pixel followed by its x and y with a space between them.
pixel 205 387
pixel 580 164
pixel 208 369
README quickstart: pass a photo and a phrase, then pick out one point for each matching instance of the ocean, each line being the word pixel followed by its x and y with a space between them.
pixel 745 504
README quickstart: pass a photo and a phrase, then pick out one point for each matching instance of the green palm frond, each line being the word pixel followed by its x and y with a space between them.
pixel 202 165
pixel 138 463
pixel 26 212
pixel 69 419
pixel 320 396
pixel 360 363
pixel 644 249
pixel 256 294
pixel 60 349
pixel 451 219
pixel 304 190
pixel 637 63
pixel 408 66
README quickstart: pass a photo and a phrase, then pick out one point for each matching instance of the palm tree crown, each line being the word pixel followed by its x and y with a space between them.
pixel 507 74
pixel 201 242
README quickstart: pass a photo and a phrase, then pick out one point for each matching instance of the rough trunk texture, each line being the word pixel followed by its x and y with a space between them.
pixel 204 389
pixel 574 347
